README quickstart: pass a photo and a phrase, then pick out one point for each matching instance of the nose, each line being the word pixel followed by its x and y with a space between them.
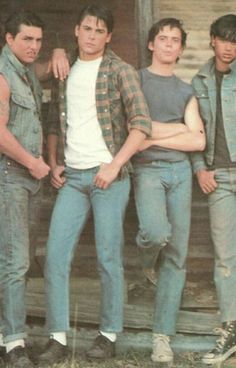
pixel 168 42
pixel 228 46
pixel 34 45
pixel 92 35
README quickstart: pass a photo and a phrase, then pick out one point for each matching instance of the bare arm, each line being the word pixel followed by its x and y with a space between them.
pixel 58 66
pixel 9 145
pixel 163 130
pixel 193 139
pixel 109 172
pixel 57 178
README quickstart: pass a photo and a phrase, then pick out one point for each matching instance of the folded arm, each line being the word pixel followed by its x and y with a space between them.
pixel 191 138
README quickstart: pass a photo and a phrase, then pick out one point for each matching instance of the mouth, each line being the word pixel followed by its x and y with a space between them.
pixel 228 56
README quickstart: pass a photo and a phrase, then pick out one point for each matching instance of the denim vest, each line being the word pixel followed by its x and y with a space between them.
pixel 25 102
pixel 204 84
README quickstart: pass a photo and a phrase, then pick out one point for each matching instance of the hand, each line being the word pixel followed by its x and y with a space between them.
pixel 39 169
pixel 57 178
pixel 206 180
pixel 106 175
pixel 59 64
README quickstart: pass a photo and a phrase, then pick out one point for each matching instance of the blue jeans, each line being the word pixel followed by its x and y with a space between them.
pixel 73 204
pixel 222 206
pixel 17 197
pixel 163 201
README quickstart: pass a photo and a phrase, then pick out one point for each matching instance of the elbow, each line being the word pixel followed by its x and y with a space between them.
pixel 200 142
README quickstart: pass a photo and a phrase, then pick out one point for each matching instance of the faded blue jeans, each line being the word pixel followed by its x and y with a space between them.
pixel 72 207
pixel 17 199
pixel 222 206
pixel 163 201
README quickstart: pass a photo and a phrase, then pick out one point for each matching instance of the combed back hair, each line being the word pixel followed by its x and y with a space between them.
pixel 224 28
pixel 101 12
pixel 23 17
pixel 172 23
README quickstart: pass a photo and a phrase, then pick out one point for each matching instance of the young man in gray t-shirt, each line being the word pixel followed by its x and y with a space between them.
pixel 163 179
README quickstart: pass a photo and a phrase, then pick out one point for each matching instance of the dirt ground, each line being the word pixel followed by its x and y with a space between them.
pixel 136 360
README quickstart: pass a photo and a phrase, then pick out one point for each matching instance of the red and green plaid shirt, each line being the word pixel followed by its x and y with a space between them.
pixel 119 100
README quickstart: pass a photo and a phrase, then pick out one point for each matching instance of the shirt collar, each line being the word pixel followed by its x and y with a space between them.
pixel 20 68
pixel 209 68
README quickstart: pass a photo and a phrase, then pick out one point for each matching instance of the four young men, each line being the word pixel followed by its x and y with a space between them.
pixel 102 96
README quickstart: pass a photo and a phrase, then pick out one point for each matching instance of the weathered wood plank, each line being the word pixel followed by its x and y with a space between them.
pixel 86 310
pixel 80 286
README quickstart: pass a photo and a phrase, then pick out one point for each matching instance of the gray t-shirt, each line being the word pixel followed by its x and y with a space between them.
pixel 167 98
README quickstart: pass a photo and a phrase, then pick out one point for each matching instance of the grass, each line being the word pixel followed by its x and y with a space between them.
pixel 134 360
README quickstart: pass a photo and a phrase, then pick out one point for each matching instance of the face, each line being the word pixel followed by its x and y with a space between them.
pixel 225 52
pixel 92 36
pixel 26 44
pixel 167 46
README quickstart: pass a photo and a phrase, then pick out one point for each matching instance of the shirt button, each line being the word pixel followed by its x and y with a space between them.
pixel 5 172
pixel 63 114
pixel 103 92
pixel 105 110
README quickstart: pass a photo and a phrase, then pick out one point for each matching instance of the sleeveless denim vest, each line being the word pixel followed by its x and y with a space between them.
pixel 25 102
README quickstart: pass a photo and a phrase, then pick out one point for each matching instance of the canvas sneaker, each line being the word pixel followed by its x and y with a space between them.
pixel 225 345
pixel 162 351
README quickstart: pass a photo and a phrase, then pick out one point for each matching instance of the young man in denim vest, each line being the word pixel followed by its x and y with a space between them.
pixel 102 98
pixel 21 168
pixel 215 87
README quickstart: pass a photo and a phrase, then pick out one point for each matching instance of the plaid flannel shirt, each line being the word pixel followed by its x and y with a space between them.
pixel 119 102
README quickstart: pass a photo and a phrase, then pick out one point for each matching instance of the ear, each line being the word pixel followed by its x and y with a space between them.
pixel 181 51
pixel 150 46
pixel 108 37
pixel 212 41
pixel 9 38
pixel 77 30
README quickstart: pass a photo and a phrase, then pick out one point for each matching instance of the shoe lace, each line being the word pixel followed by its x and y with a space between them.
pixel 222 339
pixel 162 340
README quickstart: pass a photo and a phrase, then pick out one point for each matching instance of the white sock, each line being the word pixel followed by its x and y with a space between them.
pixel 59 337
pixel 13 344
pixel 1 340
pixel 109 335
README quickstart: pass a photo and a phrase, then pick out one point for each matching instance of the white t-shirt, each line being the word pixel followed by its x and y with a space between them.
pixel 85 147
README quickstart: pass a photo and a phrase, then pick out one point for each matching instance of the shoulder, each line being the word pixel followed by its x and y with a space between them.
pixel 184 87
pixel 118 65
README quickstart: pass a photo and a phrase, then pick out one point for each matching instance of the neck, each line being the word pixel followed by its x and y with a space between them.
pixel 222 67
pixel 165 70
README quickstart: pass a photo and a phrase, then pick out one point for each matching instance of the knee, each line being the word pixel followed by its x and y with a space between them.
pixel 152 238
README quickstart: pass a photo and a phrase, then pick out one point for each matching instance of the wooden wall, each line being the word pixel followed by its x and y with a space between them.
pixel 60 17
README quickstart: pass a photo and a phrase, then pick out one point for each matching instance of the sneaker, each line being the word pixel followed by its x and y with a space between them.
pixel 54 352
pixel 102 348
pixel 162 351
pixel 18 358
pixel 225 345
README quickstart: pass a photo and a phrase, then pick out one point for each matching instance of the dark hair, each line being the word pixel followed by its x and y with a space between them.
pixel 16 19
pixel 173 23
pixel 101 12
pixel 224 28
